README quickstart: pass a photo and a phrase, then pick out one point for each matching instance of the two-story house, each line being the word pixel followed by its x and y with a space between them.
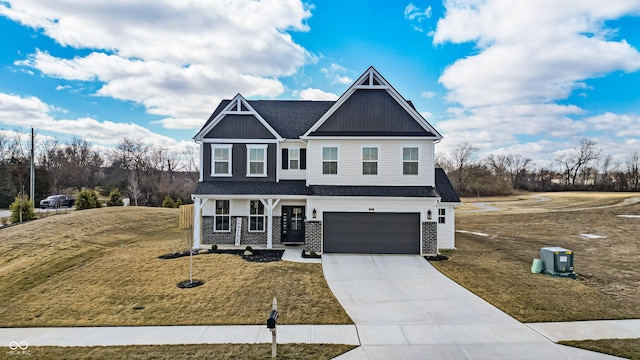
pixel 355 175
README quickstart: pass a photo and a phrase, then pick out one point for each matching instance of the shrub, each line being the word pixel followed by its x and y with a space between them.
pixel 168 202
pixel 23 205
pixel 88 199
pixel 248 248
pixel 214 247
pixel 115 198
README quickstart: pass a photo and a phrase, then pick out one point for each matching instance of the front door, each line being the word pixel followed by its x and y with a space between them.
pixel 292 224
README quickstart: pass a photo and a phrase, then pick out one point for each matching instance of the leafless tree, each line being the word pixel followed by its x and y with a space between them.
pixel 133 187
pixel 633 170
pixel 604 166
pixel 52 158
pixel 572 162
pixel 462 159
pixel 515 166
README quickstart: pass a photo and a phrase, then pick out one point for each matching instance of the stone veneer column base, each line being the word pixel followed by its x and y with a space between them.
pixel 429 238
pixel 313 236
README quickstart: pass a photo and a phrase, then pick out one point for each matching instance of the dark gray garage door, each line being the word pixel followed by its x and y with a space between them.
pixel 371 233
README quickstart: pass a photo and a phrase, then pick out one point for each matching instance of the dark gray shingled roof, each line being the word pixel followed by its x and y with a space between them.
pixel 290 118
pixel 444 187
pixel 298 187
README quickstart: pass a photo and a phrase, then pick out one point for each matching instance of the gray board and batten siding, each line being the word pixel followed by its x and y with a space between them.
pixel 239 164
pixel 239 127
pixel 367 113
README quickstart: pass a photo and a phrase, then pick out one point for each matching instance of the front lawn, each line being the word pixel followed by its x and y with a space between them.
pixel 100 268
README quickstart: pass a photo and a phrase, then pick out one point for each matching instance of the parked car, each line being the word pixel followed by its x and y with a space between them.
pixel 57 201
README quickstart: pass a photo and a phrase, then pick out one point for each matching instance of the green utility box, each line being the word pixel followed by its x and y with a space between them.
pixel 557 261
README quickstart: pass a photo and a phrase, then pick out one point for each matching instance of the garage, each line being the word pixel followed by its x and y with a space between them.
pixel 371 233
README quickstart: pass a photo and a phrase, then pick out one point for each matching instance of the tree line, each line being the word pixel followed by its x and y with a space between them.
pixel 145 173
pixel 582 168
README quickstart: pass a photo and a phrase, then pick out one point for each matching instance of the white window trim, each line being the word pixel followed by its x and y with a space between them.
pixel 213 161
pixel 404 146
pixel 264 168
pixel 263 216
pixel 322 160
pixel 216 215
pixel 442 216
pixel 377 161
pixel 289 158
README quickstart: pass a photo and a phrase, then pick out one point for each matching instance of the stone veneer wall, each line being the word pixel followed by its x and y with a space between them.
pixel 246 237
pixel 313 236
pixel 429 238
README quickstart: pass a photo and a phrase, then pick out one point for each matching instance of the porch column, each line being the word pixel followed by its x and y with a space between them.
pixel 198 205
pixel 269 205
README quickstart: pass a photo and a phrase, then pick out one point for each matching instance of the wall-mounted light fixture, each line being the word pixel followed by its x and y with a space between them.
pixel 429 215
pixel 314 213
pixel 372 209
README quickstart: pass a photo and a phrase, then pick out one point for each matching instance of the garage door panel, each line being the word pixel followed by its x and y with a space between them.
pixel 372 233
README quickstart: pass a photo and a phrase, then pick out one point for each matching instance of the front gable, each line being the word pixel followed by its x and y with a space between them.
pixel 238 120
pixel 372 107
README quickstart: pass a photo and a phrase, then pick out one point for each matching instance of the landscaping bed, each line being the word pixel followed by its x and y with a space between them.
pixel 260 256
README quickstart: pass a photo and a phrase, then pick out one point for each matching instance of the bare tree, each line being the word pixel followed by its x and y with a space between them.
pixel 133 188
pixel 633 170
pixel 52 158
pixel 572 162
pixel 462 157
pixel 603 166
pixel 516 166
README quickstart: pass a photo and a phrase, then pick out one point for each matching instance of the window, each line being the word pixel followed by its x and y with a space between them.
pixel 442 216
pixel 256 160
pixel 369 161
pixel 222 219
pixel 294 159
pixel 409 161
pixel 221 159
pixel 329 160
pixel 256 216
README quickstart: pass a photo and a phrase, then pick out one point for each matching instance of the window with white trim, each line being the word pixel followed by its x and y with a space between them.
pixel 330 160
pixel 442 216
pixel 369 161
pixel 294 158
pixel 410 160
pixel 222 219
pixel 256 160
pixel 220 160
pixel 256 216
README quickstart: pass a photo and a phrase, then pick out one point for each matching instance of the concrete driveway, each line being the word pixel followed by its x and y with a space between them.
pixel 405 309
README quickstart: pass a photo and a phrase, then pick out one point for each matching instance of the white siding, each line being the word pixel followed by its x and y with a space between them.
pixel 366 204
pixel 389 163
pixel 446 231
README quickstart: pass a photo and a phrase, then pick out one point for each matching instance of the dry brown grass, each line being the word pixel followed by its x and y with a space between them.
pixel 498 267
pixel 222 351
pixel 100 268
pixel 625 348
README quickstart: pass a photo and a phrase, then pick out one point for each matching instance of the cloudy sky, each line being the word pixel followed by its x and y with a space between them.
pixel 525 77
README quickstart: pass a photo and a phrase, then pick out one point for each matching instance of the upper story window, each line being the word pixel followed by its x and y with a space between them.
pixel 410 161
pixel 442 216
pixel 222 219
pixel 256 216
pixel 256 160
pixel 294 159
pixel 221 160
pixel 330 160
pixel 369 161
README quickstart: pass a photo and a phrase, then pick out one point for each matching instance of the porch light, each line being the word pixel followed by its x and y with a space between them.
pixel 429 215
pixel 314 213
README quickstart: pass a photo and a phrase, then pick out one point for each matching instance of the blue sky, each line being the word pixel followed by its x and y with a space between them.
pixel 528 78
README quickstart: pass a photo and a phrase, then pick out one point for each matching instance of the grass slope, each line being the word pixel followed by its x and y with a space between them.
pixel 170 352
pixel 497 267
pixel 625 348
pixel 100 268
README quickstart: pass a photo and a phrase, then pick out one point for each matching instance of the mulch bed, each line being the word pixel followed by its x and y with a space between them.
pixel 438 257
pixel 189 284
pixel 258 255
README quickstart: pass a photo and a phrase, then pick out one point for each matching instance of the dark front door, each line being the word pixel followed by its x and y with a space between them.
pixel 292 224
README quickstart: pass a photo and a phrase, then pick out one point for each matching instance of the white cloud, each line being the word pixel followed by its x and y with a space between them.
pixel 178 59
pixel 20 111
pixel 315 94
pixel 337 74
pixel 62 87
pixel 416 16
pixel 428 94
pixel 529 56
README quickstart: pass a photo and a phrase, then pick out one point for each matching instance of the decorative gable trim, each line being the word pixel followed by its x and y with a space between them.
pixel 237 106
pixel 371 79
